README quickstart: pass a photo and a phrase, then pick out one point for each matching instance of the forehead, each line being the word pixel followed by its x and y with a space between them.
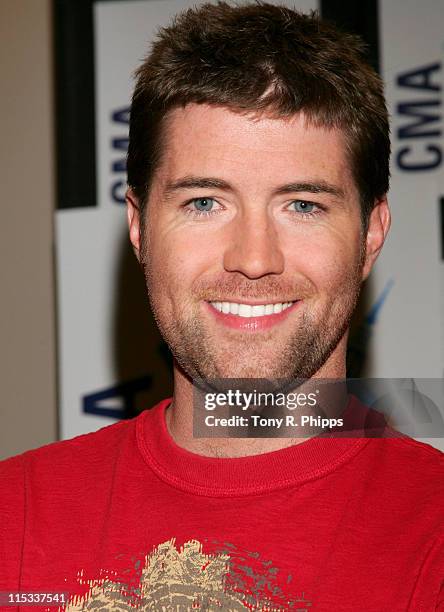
pixel 252 149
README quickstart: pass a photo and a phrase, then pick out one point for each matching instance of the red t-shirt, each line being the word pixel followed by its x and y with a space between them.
pixel 125 519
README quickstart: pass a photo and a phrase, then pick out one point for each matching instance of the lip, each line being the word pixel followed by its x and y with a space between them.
pixel 251 324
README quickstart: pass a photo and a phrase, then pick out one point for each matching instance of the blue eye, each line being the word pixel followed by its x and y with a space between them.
pixel 302 206
pixel 203 204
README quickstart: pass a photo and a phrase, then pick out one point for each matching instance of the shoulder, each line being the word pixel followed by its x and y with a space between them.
pixel 53 460
pixel 85 459
pixel 408 451
pixel 413 471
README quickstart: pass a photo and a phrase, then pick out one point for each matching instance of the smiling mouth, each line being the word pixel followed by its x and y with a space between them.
pixel 248 311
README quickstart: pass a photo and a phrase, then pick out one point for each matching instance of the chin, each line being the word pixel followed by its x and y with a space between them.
pixel 249 370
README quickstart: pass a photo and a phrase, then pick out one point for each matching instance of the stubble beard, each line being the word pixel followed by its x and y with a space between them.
pixel 304 352
pixel 300 358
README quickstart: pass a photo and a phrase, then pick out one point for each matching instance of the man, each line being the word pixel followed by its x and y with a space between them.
pixel 258 173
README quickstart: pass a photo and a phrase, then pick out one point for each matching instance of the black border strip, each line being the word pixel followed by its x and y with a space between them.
pixel 357 17
pixel 75 103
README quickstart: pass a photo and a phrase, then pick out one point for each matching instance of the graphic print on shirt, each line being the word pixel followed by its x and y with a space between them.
pixel 186 578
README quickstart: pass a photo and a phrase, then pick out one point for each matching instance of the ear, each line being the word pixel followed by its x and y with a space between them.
pixel 133 215
pixel 378 227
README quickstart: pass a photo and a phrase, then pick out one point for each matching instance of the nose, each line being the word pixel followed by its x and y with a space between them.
pixel 253 246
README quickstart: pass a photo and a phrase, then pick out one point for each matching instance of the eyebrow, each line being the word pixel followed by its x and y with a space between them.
pixel 198 182
pixel 312 187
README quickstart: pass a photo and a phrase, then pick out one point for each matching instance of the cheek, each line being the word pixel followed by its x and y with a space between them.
pixel 177 257
pixel 328 258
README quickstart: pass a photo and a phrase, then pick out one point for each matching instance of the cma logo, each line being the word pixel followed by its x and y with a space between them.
pixel 419 118
pixel 119 148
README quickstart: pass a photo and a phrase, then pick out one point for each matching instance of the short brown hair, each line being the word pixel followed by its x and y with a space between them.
pixel 262 57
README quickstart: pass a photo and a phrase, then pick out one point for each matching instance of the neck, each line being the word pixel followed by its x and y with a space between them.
pixel 179 417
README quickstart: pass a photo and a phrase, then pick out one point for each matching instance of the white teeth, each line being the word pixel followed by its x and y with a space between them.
pixel 258 311
pixel 246 310
pixel 234 308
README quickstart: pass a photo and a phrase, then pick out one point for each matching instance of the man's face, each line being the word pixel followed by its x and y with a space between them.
pixel 252 246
